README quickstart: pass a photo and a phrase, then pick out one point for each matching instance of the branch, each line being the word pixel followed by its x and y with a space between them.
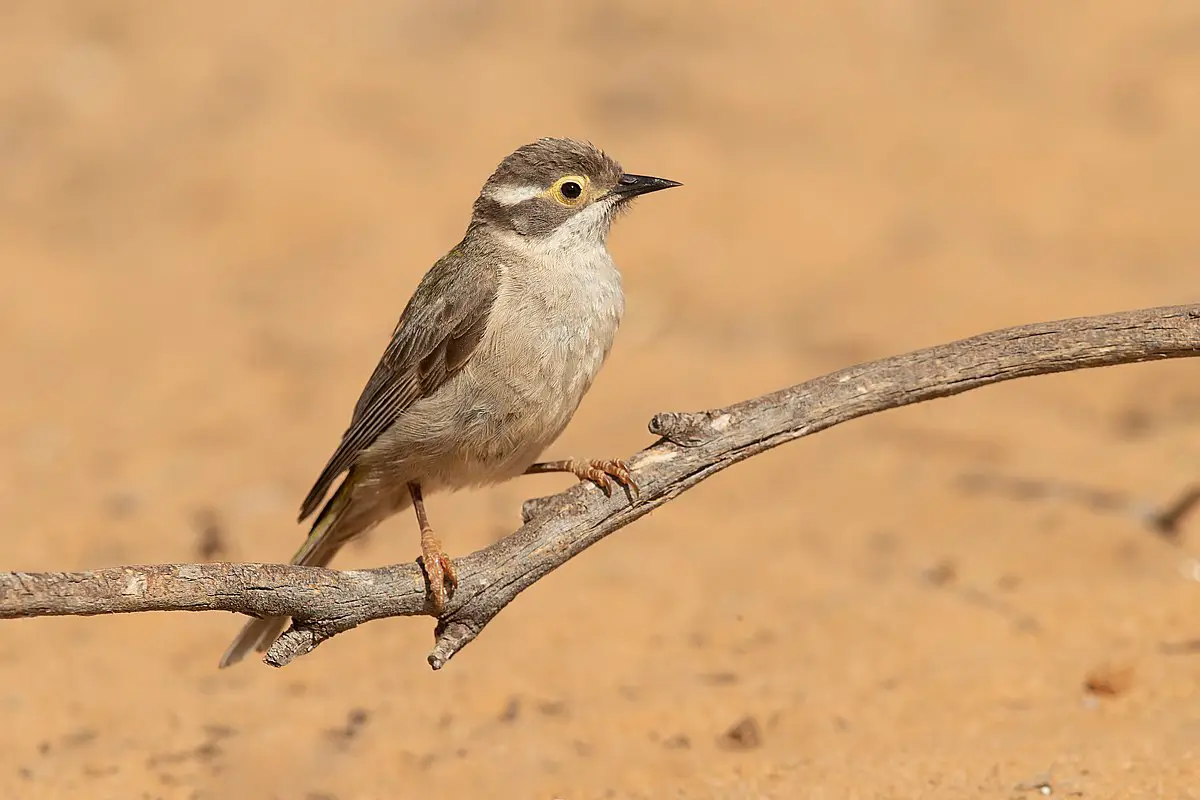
pixel 691 447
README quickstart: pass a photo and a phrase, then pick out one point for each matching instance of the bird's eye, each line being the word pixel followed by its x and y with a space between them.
pixel 568 189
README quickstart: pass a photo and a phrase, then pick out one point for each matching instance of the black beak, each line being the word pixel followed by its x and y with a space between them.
pixel 632 185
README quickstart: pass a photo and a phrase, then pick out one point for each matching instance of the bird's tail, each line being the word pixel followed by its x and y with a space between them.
pixel 332 528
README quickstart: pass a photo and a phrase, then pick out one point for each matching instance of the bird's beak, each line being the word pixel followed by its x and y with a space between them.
pixel 633 185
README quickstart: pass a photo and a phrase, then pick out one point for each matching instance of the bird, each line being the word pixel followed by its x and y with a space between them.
pixel 491 357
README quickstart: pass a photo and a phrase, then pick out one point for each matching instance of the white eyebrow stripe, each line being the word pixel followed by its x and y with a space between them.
pixel 511 195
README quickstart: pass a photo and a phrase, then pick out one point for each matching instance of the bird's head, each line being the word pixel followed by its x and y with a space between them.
pixel 559 189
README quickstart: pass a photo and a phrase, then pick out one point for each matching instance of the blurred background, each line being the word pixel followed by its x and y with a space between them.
pixel 211 215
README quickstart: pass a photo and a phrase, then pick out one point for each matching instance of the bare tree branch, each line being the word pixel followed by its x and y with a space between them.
pixel 691 447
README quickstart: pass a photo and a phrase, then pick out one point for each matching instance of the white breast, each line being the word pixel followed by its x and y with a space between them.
pixel 565 310
pixel 554 323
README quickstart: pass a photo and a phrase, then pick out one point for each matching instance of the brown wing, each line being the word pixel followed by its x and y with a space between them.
pixel 436 335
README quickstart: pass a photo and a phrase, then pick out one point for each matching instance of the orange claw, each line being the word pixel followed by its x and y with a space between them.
pixel 603 473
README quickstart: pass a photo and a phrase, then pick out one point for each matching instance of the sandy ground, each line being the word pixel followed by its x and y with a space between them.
pixel 212 213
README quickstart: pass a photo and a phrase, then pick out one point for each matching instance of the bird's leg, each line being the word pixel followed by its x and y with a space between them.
pixel 601 473
pixel 439 569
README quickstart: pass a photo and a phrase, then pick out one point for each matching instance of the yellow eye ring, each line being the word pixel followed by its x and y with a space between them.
pixel 570 190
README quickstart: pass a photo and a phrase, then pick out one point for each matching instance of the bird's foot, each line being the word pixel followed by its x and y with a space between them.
pixel 600 472
pixel 439 571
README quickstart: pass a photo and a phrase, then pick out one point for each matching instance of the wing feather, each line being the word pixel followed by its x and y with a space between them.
pixel 437 333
